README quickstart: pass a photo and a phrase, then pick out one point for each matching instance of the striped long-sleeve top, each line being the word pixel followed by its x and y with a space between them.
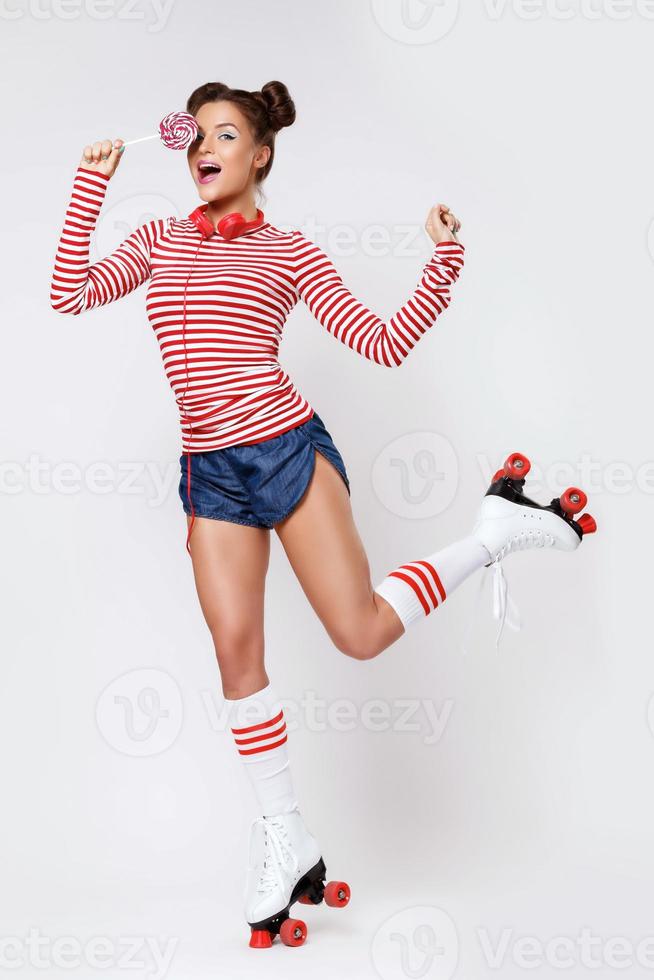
pixel 218 309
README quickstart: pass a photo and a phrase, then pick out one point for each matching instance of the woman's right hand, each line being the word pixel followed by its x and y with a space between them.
pixel 442 225
pixel 103 156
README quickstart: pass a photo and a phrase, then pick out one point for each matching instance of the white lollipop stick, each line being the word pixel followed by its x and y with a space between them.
pixel 142 139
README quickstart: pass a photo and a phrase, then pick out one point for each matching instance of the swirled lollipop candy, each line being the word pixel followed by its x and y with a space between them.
pixel 177 131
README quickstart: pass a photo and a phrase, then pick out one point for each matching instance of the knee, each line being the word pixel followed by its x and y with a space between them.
pixel 239 650
pixel 356 645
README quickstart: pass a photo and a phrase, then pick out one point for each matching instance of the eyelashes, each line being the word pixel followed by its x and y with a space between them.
pixel 200 137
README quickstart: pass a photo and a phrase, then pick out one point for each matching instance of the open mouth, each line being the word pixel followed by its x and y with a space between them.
pixel 207 171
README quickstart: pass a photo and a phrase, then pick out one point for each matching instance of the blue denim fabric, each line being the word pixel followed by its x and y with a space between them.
pixel 260 484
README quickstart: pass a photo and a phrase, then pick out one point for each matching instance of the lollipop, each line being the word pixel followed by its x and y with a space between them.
pixel 177 130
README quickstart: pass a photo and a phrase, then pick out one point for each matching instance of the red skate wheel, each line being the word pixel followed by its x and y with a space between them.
pixel 305 900
pixel 498 475
pixel 587 523
pixel 337 894
pixel 516 466
pixel 573 500
pixel 293 932
pixel 260 939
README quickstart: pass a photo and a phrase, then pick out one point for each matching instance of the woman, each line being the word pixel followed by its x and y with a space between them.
pixel 221 284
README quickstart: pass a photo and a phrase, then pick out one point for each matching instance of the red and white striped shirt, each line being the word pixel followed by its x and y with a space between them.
pixel 218 309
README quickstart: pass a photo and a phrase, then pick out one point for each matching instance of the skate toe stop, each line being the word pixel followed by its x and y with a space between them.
pixel 587 523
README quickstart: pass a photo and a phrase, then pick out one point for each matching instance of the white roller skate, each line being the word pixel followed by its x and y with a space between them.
pixel 285 866
pixel 509 521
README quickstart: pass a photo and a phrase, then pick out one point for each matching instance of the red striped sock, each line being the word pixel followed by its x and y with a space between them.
pixel 418 587
pixel 258 727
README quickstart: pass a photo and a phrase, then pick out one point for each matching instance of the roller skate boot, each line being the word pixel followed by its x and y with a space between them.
pixel 285 867
pixel 510 521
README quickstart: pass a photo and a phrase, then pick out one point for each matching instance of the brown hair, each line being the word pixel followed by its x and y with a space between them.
pixel 267 111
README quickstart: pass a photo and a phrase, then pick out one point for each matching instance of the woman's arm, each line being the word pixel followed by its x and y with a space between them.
pixel 319 284
pixel 76 285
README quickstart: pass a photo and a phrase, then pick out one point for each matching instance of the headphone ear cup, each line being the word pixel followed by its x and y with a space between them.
pixel 201 222
pixel 232 225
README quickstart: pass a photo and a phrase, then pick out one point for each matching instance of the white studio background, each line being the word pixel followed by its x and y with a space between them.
pixel 492 810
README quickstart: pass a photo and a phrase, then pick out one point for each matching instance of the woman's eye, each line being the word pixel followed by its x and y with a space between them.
pixel 200 137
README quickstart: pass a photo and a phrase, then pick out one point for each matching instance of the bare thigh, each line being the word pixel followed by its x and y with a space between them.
pixel 326 552
pixel 230 562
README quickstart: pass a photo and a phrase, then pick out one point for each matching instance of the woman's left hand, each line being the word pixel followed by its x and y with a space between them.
pixel 442 225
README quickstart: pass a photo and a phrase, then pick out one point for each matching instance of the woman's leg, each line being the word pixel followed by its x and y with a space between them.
pixel 230 562
pixel 326 553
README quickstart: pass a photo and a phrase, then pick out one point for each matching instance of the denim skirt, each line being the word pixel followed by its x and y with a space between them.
pixel 261 483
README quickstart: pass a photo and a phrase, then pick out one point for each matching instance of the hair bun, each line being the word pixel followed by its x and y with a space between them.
pixel 279 104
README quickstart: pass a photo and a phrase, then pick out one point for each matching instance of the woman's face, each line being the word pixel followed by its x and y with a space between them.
pixel 224 158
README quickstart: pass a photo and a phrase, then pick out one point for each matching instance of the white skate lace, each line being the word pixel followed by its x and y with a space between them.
pixel 278 855
pixel 504 608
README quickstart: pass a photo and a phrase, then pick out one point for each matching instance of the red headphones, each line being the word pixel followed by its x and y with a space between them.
pixel 231 226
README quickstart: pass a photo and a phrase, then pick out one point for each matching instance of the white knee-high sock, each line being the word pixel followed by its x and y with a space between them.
pixel 418 587
pixel 259 730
